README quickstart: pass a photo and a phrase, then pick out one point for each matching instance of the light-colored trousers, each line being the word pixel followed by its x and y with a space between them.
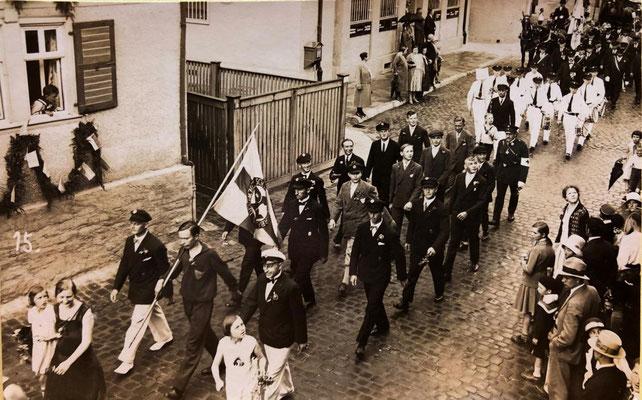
pixel 570 124
pixel 279 369
pixel 157 324
pixel 479 112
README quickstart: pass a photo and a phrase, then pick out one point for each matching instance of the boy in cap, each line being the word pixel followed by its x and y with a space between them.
pixel 376 245
pixel 282 321
pixel 144 260
pixel 308 241
pixel 437 162
pixel 572 112
pixel 381 157
pixel 427 235
pixel 487 171
pixel 404 185
pixel 317 190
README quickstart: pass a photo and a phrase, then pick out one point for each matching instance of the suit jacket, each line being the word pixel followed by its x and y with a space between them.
pixel 372 255
pixel 543 64
pixel 405 183
pixel 143 267
pixel 440 167
pixel 419 140
pixel 460 149
pixel 428 228
pixel 487 172
pixel 340 169
pixel 617 70
pixel 308 229
pixel 606 383
pixel 567 335
pixel 600 257
pixel 577 222
pixel 512 162
pixel 317 192
pixel 503 114
pixel 470 199
pixel 380 164
pixel 282 318
pixel 566 74
pixel 352 210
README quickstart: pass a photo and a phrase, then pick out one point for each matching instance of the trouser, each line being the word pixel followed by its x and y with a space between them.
pixel 199 336
pixel 484 218
pixel 397 214
pixel 563 380
pixel 375 311
pixel 251 262
pixel 636 84
pixel 416 266
pixel 479 111
pixel 383 190
pixel 301 261
pixel 499 199
pixel 468 228
pixel 570 131
pixel 548 113
pixel 157 324
pixel 534 117
pixel 346 269
pixel 588 126
pixel 500 135
pixel 520 107
pixel 634 180
pixel 278 369
pixel 339 236
pixel 613 90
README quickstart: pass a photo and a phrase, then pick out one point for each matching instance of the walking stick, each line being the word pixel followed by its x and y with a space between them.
pixel 182 249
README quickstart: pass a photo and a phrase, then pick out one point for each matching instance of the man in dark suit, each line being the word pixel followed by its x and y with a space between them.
pixel 616 71
pixel 339 172
pixel 600 257
pixel 429 25
pixel 488 173
pixel 251 258
pixel 202 266
pixel 502 108
pixel 144 260
pixel 469 197
pixel 427 234
pixel 511 170
pixel 568 72
pixel 559 16
pixel 437 162
pixel 376 245
pixel 317 191
pixel 557 55
pixel 542 60
pixel 382 156
pixel 308 238
pixel 415 135
pixel 404 185
pixel 282 321
pixel 607 381
pixel 460 144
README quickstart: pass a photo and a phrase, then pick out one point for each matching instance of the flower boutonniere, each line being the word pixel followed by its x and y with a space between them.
pixel 273 297
pixel 381 237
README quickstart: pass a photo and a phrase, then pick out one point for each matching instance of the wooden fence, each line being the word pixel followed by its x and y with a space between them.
pixel 308 118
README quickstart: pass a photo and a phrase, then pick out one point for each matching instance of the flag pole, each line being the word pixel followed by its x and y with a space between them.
pixel 200 221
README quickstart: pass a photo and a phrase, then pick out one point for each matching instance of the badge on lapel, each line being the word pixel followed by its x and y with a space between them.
pixel 411 175
pixel 272 297
pixel 143 252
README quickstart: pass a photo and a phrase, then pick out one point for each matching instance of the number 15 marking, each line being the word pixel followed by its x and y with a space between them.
pixel 26 243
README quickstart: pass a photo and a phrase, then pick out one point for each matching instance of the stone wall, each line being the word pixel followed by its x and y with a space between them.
pixel 88 232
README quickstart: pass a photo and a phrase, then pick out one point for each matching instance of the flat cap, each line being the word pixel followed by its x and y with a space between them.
pixel 375 205
pixel 383 126
pixel 303 158
pixel 429 183
pixel 139 216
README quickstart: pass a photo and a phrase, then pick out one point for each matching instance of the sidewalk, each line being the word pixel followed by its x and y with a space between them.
pixel 456 64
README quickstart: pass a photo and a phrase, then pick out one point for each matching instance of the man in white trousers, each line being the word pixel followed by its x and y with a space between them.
pixel 572 112
pixel 591 98
pixel 490 83
pixel 535 112
pixel 282 321
pixel 553 96
pixel 144 260
pixel 518 94
pixel 476 102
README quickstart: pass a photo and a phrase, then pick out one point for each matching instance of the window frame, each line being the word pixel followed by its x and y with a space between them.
pixel 200 21
pixel 368 8
pixel 392 10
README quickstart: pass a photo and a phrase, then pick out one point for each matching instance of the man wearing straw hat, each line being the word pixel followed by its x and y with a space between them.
pixel 144 260
pixel 609 380
pixel 564 376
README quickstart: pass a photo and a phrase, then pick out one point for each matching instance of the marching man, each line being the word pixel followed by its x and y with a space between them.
pixel 476 102
pixel 519 95
pixel 490 84
pixel 572 112
pixel 535 111
pixel 554 96
pixel 591 98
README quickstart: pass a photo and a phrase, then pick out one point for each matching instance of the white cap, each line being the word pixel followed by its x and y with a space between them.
pixel 481 73
pixel 272 253
pixel 632 196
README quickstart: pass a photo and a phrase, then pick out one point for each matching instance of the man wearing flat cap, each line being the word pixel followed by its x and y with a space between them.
pixel 502 108
pixel 376 245
pixel 308 242
pixel 437 162
pixel 383 153
pixel 144 260
pixel 427 235
pixel 609 380
pixel 317 190
pixel 565 369
pixel 282 321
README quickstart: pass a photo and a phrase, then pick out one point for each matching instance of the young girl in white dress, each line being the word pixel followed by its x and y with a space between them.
pixel 244 362
pixel 42 319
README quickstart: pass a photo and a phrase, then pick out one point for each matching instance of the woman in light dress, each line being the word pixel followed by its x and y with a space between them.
pixel 416 60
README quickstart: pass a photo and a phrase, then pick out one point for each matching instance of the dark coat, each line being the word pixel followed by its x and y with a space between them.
pixel 143 267
pixel 440 167
pixel 566 74
pixel 600 257
pixel 404 183
pixel 419 140
pixel 512 162
pixel 352 210
pixel 372 255
pixel 380 165
pixel 577 222
pixel 282 319
pixel 487 172
pixel 317 192
pixel 605 383
pixel 503 114
pixel 428 228
pixel 470 199
pixel 460 149
pixel 429 25
pixel 308 230
pixel 617 70
pixel 340 169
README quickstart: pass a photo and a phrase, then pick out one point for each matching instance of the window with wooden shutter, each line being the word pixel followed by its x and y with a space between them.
pixel 95 65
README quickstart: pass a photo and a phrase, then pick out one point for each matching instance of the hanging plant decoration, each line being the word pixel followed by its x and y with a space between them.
pixel 66 8
pixel 88 164
pixel 20 147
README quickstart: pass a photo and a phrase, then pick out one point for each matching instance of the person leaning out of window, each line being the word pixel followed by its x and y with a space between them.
pixel 47 103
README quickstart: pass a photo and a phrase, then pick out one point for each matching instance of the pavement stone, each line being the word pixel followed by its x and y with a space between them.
pixel 456 349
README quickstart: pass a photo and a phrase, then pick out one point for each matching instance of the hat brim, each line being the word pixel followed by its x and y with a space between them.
pixel 136 218
pixel 593 343
pixel 562 273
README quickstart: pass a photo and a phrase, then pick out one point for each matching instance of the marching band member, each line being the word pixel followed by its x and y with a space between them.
pixel 572 112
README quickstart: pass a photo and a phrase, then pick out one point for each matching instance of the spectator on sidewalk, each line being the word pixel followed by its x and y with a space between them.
pixel 383 153
pixel 363 88
pixel 600 257
pixel 407 38
pixel 400 83
pixel 414 134
pixel 574 215
pixel 608 381
pixel 416 64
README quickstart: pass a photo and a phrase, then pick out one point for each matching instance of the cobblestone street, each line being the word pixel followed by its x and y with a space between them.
pixel 457 349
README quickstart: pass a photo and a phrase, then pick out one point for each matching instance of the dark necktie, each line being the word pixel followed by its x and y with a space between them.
pixel 479 95
pixel 535 98
pixel 548 94
pixel 585 87
pixel 570 104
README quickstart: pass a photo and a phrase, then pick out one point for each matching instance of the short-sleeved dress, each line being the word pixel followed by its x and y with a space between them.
pixel 43 325
pixel 84 380
pixel 241 375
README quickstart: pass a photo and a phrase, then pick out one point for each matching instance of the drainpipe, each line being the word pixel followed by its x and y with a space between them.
pixel 319 31
pixel 464 28
pixel 182 125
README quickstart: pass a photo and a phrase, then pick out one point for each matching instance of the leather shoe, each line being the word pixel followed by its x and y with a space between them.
pixel 528 375
pixel 360 352
pixel 493 223
pixel 519 339
pixel 337 247
pixel 174 394
pixel 160 345
pixel 439 299
pixel 342 289
pixel 402 305
pixel 510 218
pixel 539 389
pixel 474 268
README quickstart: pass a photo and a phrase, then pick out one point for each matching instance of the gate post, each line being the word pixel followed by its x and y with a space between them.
pixel 292 127
pixel 231 105
pixel 215 78
pixel 342 108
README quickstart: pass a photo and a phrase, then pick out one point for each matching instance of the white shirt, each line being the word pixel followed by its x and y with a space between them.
pixel 375 227
pixel 469 177
pixel 302 204
pixel 405 163
pixel 435 150
pixel 411 129
pixel 348 158
pixel 428 202
pixel 306 176
pixel 139 239
pixel 270 284
pixel 353 188
pixel 629 250
pixel 384 145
